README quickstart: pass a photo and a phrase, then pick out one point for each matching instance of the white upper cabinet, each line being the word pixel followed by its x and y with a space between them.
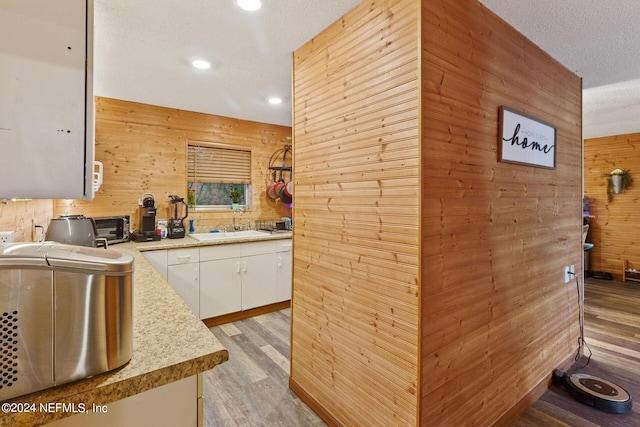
pixel 46 99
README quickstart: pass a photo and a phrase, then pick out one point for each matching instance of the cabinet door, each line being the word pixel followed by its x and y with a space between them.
pixel 173 404
pixel 46 101
pixel 284 276
pixel 220 287
pixel 184 278
pixel 258 280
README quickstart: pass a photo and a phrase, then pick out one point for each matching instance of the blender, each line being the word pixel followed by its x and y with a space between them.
pixel 178 212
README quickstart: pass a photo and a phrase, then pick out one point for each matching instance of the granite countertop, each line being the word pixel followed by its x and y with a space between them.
pixel 189 242
pixel 169 343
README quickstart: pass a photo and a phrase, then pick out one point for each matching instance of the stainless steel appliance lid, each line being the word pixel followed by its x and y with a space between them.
pixel 58 255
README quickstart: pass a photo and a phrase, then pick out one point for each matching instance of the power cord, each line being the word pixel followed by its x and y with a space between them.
pixel 581 342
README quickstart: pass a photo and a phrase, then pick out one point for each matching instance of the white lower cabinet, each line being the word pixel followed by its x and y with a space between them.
pixel 237 277
pixel 222 279
pixel 170 405
pixel 284 270
pixel 258 280
pixel 183 274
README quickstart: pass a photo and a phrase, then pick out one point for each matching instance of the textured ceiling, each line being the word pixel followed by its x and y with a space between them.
pixel 598 40
pixel 144 48
pixel 143 51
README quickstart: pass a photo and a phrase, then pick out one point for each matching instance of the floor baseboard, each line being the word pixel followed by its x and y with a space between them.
pixel 233 317
pixel 313 404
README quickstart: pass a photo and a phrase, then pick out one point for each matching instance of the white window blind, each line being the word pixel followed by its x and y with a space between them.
pixel 213 163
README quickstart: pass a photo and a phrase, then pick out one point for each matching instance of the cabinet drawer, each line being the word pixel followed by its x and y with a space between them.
pixel 258 248
pixel 284 245
pixel 183 256
pixel 211 253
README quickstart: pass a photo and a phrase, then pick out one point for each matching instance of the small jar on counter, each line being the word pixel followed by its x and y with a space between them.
pixel 162 226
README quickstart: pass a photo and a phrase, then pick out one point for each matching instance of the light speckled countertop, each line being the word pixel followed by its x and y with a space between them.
pixel 189 242
pixel 169 343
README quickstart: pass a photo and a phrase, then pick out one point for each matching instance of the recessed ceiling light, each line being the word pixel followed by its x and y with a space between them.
pixel 275 101
pixel 250 5
pixel 201 64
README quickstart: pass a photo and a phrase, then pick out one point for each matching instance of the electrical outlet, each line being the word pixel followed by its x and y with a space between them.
pixel 7 236
pixel 569 273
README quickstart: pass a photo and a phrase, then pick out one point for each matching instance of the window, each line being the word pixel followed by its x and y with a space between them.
pixel 212 169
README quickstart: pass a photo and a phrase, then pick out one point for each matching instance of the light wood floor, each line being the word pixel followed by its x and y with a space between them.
pixel 612 331
pixel 251 389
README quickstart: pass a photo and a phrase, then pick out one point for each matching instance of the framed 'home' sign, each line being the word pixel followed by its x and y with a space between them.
pixel 526 140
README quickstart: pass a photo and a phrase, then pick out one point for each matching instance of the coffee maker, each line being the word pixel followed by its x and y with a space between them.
pixel 147 230
pixel 178 212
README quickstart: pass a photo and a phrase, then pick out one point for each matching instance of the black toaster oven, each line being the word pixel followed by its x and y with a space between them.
pixel 113 228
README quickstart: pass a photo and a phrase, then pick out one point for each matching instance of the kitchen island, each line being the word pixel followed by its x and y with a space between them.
pixel 170 346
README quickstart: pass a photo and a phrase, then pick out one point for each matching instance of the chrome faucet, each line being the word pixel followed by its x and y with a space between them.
pixel 237 227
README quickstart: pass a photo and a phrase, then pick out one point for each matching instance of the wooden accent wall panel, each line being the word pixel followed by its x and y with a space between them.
pixel 143 149
pixel 428 276
pixel 22 216
pixel 614 227
pixel 496 316
pixel 356 130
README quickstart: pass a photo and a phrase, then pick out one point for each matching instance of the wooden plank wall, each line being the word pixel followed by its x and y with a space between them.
pixel 143 149
pixel 21 217
pixel 496 314
pixel 614 227
pixel 354 346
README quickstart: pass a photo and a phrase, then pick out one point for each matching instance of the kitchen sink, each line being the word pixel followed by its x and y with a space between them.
pixel 203 237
